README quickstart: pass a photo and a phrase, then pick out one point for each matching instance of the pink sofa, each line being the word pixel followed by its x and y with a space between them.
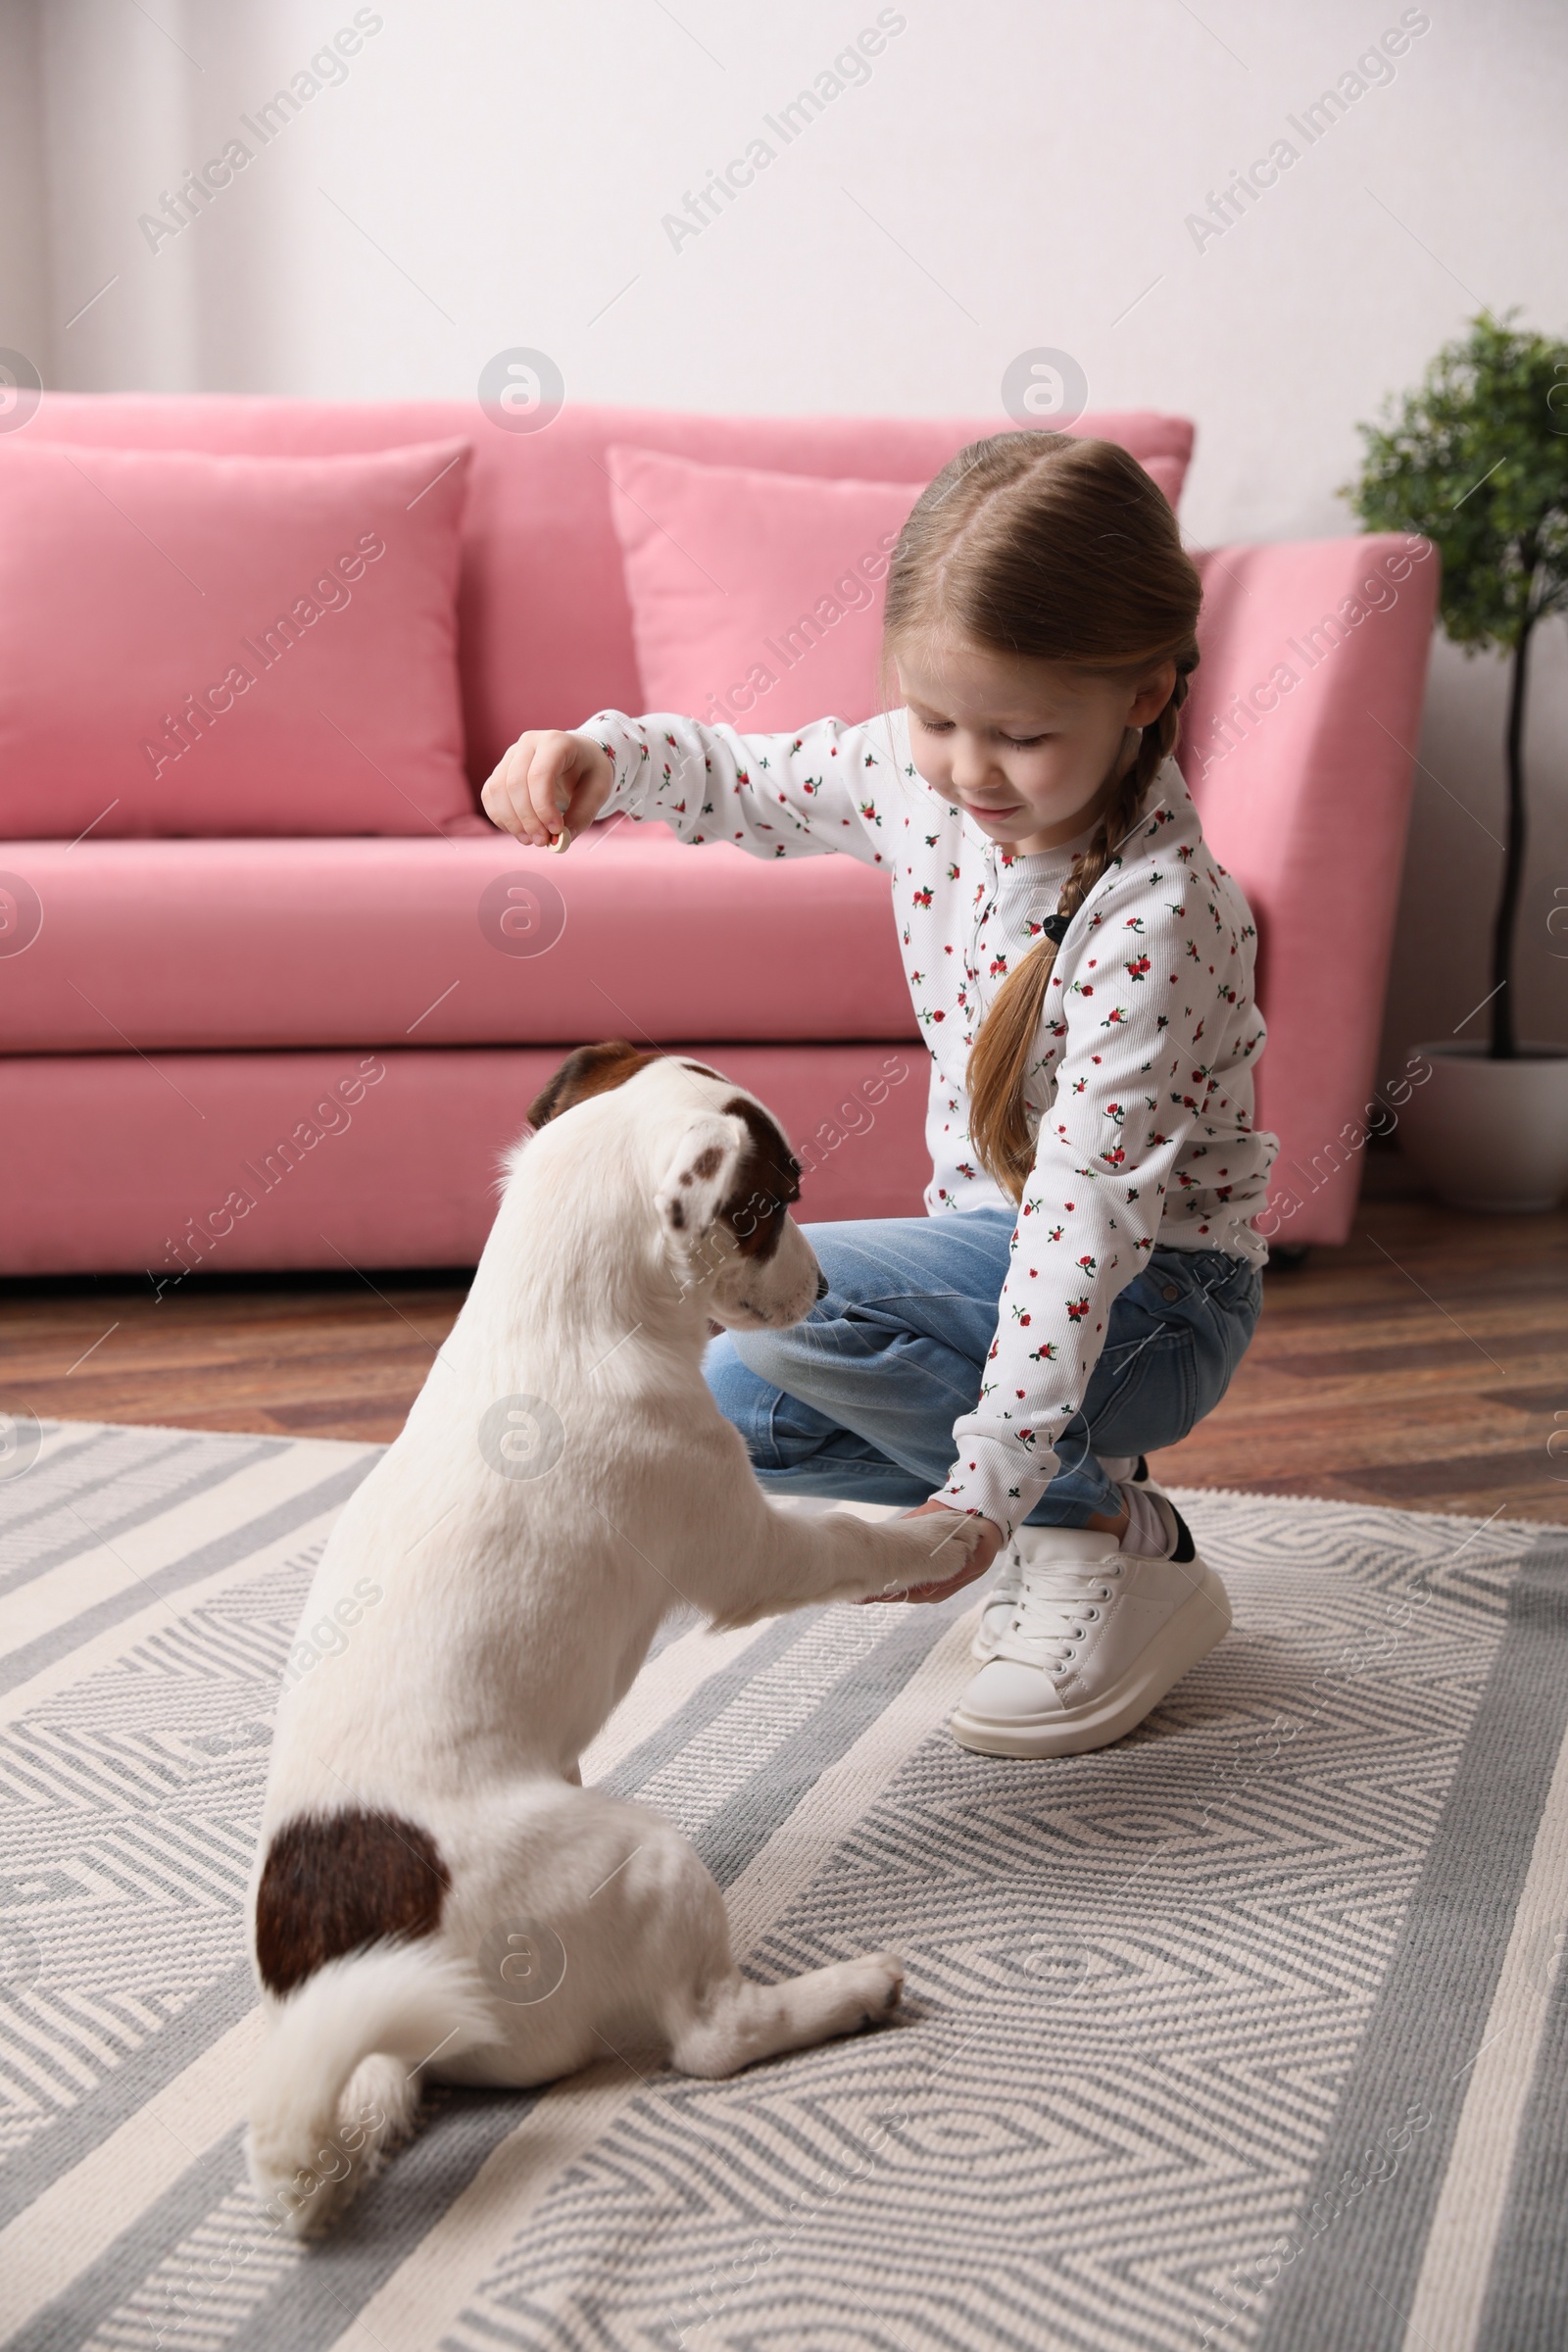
pixel 281 1053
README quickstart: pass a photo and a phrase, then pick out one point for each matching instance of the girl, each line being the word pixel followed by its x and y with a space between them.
pixel 1087 1276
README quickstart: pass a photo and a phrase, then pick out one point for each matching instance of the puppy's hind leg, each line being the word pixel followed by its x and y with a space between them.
pixel 725 2022
pixel 736 2022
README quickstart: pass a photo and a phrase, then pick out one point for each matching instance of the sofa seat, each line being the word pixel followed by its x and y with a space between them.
pixel 174 1164
pixel 220 945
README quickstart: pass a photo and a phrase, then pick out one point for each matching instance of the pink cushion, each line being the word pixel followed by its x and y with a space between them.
pixel 202 943
pixel 230 645
pixel 545 629
pixel 757 598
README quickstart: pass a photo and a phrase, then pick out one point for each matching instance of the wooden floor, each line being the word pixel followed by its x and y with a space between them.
pixel 1424 1364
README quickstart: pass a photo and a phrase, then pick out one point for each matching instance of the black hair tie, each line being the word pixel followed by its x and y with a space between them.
pixel 1055 928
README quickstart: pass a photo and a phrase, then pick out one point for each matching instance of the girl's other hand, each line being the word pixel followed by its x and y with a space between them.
pixel 974 1567
pixel 548 783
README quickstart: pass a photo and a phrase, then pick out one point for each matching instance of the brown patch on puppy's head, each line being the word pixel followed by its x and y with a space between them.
pixel 767 1181
pixel 723 1202
pixel 591 1070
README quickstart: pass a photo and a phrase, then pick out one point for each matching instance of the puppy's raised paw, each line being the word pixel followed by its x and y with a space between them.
pixel 928 1552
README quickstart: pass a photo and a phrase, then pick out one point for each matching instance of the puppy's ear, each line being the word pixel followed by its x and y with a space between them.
pixel 701 1177
pixel 591 1070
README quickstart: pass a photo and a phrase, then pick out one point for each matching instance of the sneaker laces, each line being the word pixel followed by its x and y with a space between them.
pixel 1058 1602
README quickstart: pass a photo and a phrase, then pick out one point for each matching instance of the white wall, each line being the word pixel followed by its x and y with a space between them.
pixel 23 209
pixel 1011 174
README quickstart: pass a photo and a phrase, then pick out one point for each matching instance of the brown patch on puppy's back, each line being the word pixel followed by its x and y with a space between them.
pixel 767 1181
pixel 333 1882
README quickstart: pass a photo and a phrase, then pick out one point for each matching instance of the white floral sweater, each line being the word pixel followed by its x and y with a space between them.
pixel 1143 1076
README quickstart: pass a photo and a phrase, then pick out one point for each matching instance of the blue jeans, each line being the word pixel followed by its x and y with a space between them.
pixel 858 1402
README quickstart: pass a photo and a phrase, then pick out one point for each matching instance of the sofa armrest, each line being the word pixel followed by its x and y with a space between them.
pixel 1298 746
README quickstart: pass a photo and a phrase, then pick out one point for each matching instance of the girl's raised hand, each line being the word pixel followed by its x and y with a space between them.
pixel 549 787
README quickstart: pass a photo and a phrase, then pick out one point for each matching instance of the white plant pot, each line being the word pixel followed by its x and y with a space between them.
pixel 1490 1135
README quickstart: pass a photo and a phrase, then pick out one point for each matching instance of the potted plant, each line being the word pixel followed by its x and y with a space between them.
pixel 1477 461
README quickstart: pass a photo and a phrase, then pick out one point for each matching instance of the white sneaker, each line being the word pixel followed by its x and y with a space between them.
pixel 1001 1602
pixel 1093 1641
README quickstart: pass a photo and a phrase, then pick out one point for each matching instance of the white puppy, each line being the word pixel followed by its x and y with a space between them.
pixel 434 1892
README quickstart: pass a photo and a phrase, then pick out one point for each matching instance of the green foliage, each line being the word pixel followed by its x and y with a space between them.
pixel 1477 461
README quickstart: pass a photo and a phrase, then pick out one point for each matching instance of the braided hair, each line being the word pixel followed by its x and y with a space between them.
pixel 1055 549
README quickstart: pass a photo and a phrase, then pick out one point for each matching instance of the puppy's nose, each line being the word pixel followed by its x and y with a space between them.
pixel 821 1284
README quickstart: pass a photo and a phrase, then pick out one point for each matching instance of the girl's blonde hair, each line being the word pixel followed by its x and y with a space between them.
pixel 1059 550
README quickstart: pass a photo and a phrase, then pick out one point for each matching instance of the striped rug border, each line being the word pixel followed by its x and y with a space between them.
pixel 1356 2282
pixel 221 1552
pixel 88 1536
pixel 1526 2308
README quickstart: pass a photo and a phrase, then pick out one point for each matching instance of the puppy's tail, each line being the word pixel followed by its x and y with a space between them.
pixel 362 2026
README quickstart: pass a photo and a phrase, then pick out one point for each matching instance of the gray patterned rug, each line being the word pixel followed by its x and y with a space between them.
pixel 1251 2030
